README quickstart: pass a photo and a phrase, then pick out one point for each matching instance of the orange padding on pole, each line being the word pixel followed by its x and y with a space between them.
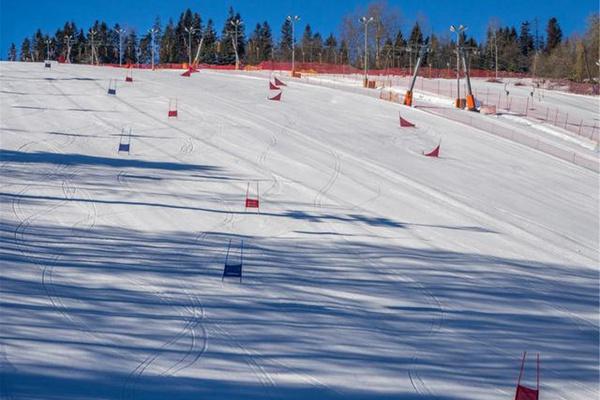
pixel 408 98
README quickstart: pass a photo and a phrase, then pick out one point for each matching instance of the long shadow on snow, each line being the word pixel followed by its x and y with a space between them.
pixel 306 308
pixel 42 157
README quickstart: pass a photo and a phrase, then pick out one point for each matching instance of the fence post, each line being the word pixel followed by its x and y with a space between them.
pixel 566 120
pixel 580 125
pixel 547 111
pixel 556 118
pixel 526 106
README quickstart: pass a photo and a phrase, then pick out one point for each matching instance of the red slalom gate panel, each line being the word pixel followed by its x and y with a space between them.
pixel 523 392
pixel 251 203
pixel 406 124
pixel 272 86
pixel 433 153
pixel 279 83
pixel 187 73
pixel 172 110
pixel 277 97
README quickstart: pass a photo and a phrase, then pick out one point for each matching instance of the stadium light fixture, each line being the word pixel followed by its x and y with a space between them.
pixel 365 21
pixel 293 20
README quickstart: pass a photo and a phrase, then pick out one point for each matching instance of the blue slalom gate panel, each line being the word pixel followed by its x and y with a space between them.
pixel 124 147
pixel 47 65
pixel 234 270
pixel 112 91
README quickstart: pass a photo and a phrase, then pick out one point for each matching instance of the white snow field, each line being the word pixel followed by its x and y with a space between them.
pixel 370 272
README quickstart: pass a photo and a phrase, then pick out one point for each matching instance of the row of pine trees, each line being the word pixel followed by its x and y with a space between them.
pixel 541 52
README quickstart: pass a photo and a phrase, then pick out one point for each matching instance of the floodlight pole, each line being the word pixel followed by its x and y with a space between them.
pixel 48 41
pixel 236 23
pixel 293 20
pixel 458 31
pixel 190 31
pixel 409 49
pixel 366 22
pixel 93 32
pixel 120 32
pixel 152 33
pixel 68 40
pixel 496 52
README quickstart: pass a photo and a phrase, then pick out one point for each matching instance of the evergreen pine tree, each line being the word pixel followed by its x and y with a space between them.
pixel 266 39
pixel 145 49
pixel 231 29
pixel 286 41
pixel 553 34
pixel 168 43
pixel 254 46
pixel 208 54
pixel 416 36
pixel 306 44
pixel 526 46
pixel 80 48
pixel 130 48
pixel 26 50
pixel 12 52
pixel 38 46
pixel 330 49
pixel 344 53
pixel 399 46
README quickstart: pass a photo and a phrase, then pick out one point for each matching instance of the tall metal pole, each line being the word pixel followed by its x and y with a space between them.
pixel 93 32
pixel 366 22
pixel 190 30
pixel 458 31
pixel 69 42
pixel 48 41
pixel 496 51
pixel 120 32
pixel 152 32
pixel 236 23
pixel 293 20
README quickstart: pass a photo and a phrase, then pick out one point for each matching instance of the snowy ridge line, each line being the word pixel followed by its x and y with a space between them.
pixel 572 157
pixel 395 176
pixel 548 148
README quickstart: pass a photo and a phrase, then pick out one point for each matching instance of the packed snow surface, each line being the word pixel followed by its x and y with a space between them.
pixel 369 272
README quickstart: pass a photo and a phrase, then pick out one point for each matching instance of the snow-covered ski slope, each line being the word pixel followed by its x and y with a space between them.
pixel 371 271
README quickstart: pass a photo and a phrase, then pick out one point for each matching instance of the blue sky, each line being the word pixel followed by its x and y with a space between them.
pixel 19 18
